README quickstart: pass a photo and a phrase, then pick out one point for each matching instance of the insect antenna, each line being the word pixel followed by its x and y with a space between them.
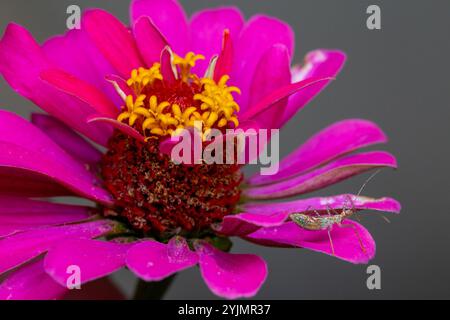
pixel 362 188
pixel 353 210
pixel 367 182
pixel 384 217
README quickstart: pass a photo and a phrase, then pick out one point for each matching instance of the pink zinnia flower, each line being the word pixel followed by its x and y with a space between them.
pixel 117 86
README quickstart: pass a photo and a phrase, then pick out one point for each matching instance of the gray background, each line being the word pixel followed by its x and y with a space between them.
pixel 397 77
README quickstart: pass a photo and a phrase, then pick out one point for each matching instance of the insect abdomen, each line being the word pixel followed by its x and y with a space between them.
pixel 306 222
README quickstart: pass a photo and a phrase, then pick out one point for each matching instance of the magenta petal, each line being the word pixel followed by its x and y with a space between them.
pixel 258 36
pixel 31 282
pixel 22 247
pixel 149 39
pixel 25 148
pixel 169 17
pixel 334 141
pixel 318 64
pixel 96 259
pixel 345 201
pixel 229 275
pixel 272 72
pixel 154 261
pixel 121 83
pixel 21 62
pixel 167 70
pixel 21 214
pixel 332 173
pixel 269 104
pixel 224 65
pixel 77 54
pixel 117 125
pixel 351 241
pixel 245 223
pixel 207 29
pixel 113 39
pixel 80 89
pixel 67 139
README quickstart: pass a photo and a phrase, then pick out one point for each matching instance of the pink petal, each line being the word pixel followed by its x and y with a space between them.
pixel 30 282
pixel 96 259
pixel 28 150
pixel 113 40
pixel 345 201
pixel 332 142
pixel 169 17
pixel 154 261
pixel 67 139
pixel 318 64
pixel 21 214
pixel 22 247
pixel 207 29
pixel 267 106
pixel 21 62
pixel 245 223
pixel 117 125
pixel 325 176
pixel 77 54
pixel 167 71
pixel 80 89
pixel 224 65
pixel 272 72
pixel 149 39
pixel 351 241
pixel 229 275
pixel 258 36
pixel 122 84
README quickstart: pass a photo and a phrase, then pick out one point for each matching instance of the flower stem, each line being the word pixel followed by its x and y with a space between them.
pixel 152 290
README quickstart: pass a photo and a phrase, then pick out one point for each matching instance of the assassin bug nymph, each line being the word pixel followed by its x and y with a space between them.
pixel 326 223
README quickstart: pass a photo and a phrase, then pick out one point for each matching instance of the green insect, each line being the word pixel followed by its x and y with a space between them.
pixel 327 222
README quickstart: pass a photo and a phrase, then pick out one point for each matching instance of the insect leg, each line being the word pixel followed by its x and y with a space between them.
pixel 317 213
pixel 357 234
pixel 331 242
pixel 352 209
pixel 330 209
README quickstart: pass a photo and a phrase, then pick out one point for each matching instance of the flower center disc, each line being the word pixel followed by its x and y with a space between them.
pixel 153 194
pixel 159 198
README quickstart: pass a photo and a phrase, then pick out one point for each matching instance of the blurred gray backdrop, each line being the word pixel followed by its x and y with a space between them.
pixel 397 77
